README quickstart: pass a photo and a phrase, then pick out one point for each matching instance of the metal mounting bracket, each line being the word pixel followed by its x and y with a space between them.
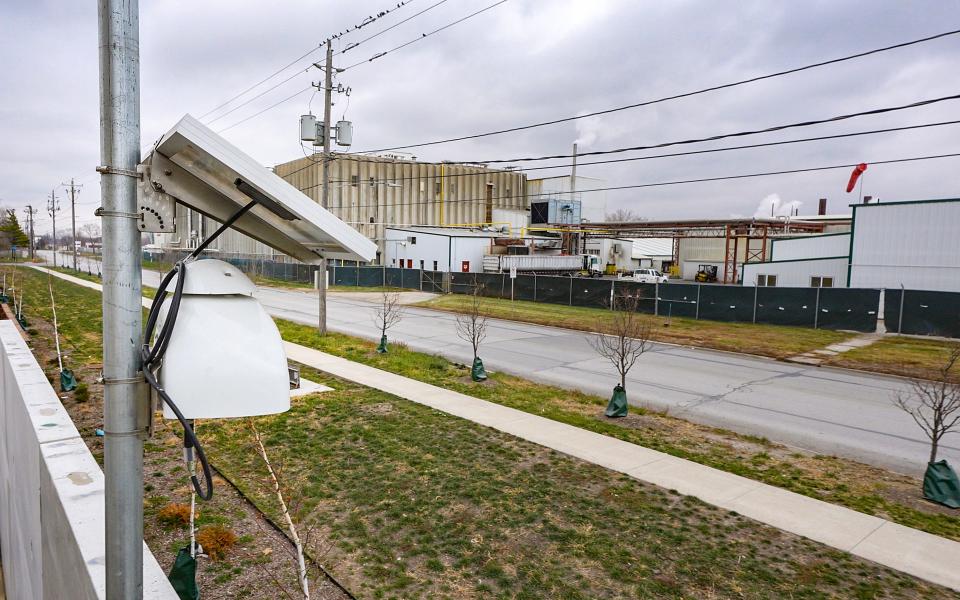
pixel 158 210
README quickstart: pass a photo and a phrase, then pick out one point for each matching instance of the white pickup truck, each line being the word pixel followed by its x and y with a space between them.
pixel 645 276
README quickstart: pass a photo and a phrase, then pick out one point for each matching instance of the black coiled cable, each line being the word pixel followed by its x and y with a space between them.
pixel 152 357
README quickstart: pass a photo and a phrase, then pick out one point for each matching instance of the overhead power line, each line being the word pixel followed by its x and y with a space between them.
pixel 844 117
pixel 425 35
pixel 673 97
pixel 260 112
pixel 366 22
pixel 395 25
pixel 665 183
pixel 668 155
pixel 809 123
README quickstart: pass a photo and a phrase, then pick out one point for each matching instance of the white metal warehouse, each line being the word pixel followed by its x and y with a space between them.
pixel 913 244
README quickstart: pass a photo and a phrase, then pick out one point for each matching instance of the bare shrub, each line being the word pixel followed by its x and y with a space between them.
pixel 934 404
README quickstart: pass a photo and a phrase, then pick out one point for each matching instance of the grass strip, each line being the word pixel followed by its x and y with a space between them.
pixel 840 481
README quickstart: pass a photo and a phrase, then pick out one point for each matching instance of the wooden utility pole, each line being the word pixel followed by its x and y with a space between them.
pixel 73 216
pixel 327 98
pixel 53 207
pixel 30 212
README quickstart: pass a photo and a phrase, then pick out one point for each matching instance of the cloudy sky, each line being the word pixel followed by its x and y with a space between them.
pixel 521 62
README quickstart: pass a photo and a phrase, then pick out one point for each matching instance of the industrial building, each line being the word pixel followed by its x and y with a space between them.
pixel 910 244
pixel 564 189
pixel 372 192
pixel 437 248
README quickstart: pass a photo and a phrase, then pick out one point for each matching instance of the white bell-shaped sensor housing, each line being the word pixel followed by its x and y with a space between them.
pixel 225 356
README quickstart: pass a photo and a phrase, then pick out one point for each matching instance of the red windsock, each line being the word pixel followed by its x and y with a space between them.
pixel 857 171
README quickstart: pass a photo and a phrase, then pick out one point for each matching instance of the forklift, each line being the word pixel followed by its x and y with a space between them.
pixel 707 274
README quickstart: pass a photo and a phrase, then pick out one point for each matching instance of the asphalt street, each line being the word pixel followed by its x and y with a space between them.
pixel 830 411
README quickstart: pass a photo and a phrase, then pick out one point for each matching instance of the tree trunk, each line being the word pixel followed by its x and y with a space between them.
pixel 933 450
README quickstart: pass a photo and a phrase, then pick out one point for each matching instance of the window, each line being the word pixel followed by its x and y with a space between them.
pixel 373 182
pixel 413 240
pixel 767 280
pixel 465 266
pixel 821 281
pixel 393 261
pixel 437 188
pixel 421 264
pixel 354 180
pixel 409 263
pixel 435 266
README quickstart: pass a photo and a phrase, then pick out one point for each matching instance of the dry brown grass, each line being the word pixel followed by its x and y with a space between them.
pixel 175 514
pixel 216 540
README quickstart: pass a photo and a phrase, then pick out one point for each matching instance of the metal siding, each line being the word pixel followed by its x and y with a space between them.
pixel 798 273
pixel 911 244
pixel 811 247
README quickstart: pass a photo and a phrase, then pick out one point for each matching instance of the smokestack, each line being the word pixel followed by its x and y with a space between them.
pixel 822 210
pixel 573 174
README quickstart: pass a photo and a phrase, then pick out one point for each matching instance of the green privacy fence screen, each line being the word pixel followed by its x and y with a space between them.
pixel 923 312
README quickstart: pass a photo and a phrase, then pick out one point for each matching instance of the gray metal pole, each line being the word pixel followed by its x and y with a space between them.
pixel 123 402
pixel 816 310
pixel 756 288
pixel 697 315
pixel 903 294
pixel 656 299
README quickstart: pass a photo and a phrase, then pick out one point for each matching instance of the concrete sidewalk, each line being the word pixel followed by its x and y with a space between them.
pixel 908 550
pixel 901 548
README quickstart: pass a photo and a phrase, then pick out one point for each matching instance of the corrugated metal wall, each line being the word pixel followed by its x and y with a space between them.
pixel 815 246
pixel 371 192
pixel 914 244
pixel 797 273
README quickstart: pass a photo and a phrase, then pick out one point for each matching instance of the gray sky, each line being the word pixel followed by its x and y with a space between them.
pixel 521 62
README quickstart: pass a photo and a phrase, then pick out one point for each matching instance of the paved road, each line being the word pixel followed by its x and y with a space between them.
pixel 830 411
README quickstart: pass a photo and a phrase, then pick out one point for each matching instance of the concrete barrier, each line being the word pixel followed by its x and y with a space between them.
pixel 51 492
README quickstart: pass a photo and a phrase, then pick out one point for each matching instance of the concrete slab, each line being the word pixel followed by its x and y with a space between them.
pixel 826 523
pixel 308 387
pixel 918 553
pixel 693 479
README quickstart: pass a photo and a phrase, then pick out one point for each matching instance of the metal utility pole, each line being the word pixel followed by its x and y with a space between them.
pixel 53 207
pixel 30 212
pixel 124 405
pixel 73 217
pixel 327 98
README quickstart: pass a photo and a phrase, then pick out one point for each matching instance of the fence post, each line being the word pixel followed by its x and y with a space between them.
pixel 756 289
pixel 570 299
pixel 612 281
pixel 816 310
pixel 385 277
pixel 534 286
pixel 511 288
pixel 697 314
pixel 656 299
pixel 334 276
pixel 421 279
pixel 903 294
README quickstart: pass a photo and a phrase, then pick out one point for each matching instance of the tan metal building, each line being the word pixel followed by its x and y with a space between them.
pixel 373 192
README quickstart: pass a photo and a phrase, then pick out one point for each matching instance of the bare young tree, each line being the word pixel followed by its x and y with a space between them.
pixel 472 328
pixel 389 312
pixel 934 404
pixel 623 215
pixel 302 575
pixel 622 338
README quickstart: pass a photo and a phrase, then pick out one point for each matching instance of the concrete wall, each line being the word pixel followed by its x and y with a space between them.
pixel 797 273
pixel 913 244
pixel 813 246
pixel 51 492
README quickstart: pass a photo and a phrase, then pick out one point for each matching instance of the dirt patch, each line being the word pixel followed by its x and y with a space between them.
pixel 259 562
